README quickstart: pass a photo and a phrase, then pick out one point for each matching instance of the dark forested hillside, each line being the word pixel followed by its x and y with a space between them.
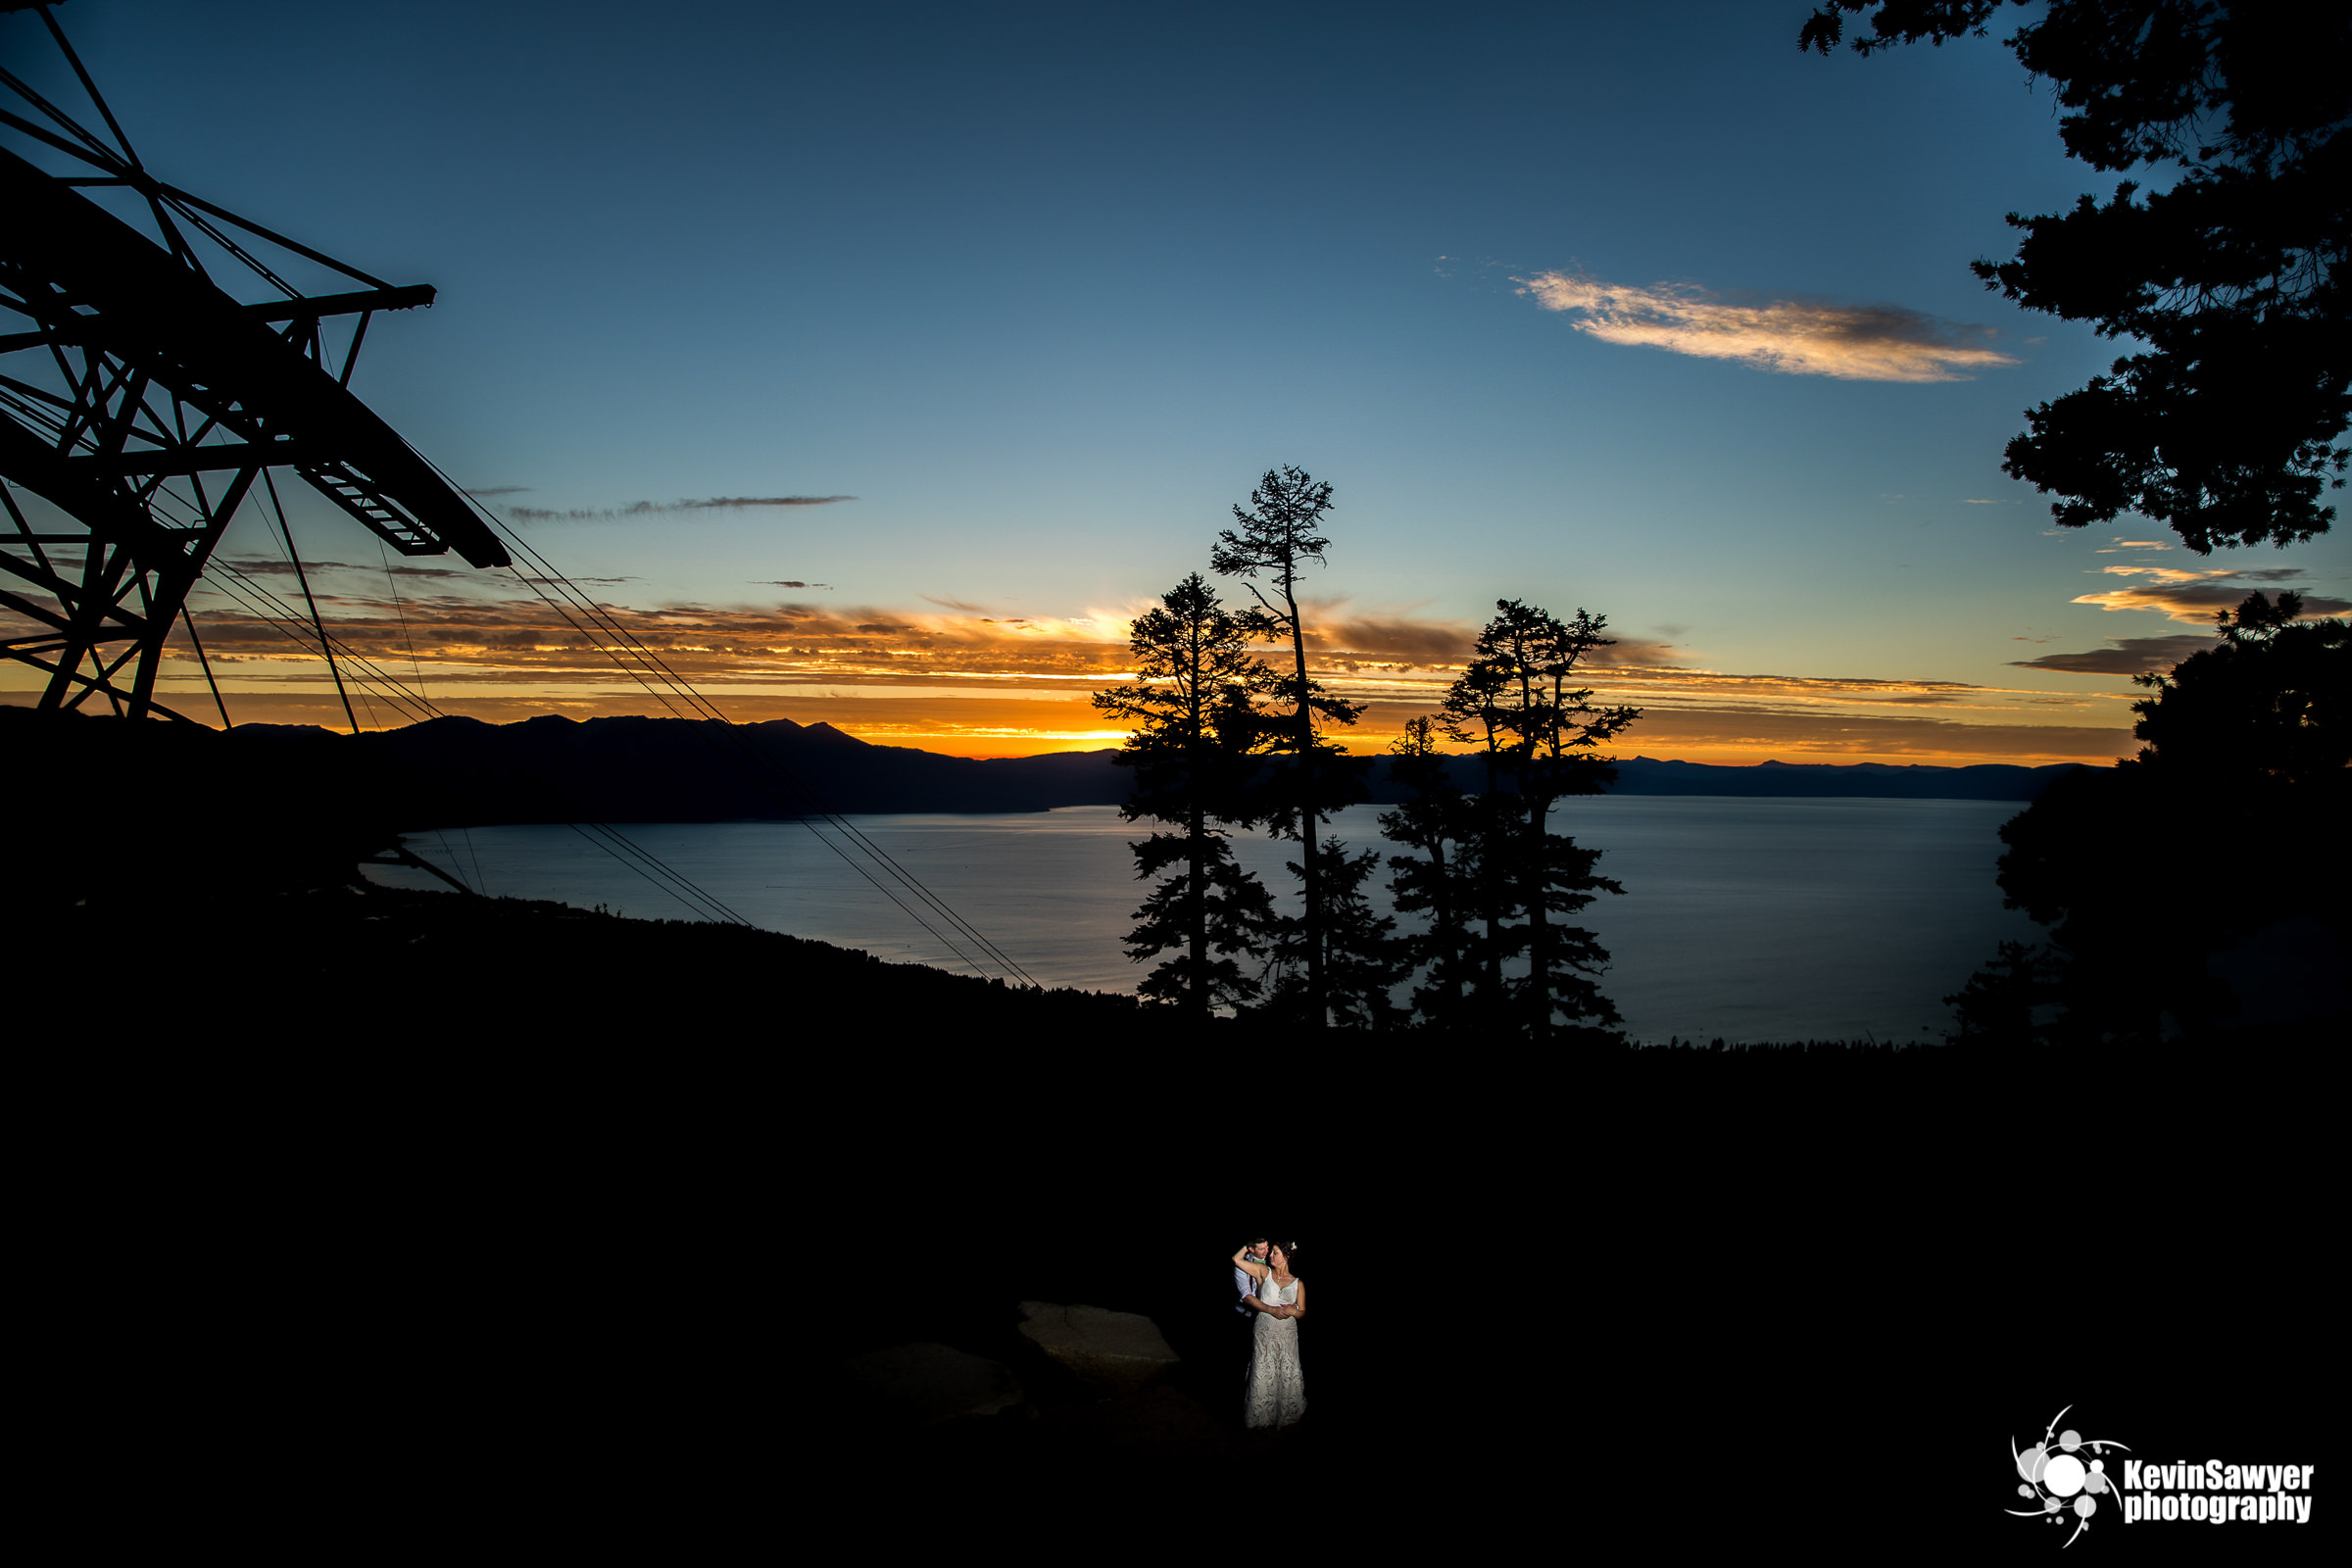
pixel 461 770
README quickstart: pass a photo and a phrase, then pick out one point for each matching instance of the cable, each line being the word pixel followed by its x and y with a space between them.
pixel 303 578
pixel 757 759
pixel 760 762
pixel 256 599
pixel 392 587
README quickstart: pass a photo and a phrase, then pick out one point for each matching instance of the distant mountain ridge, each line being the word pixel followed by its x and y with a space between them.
pixel 454 771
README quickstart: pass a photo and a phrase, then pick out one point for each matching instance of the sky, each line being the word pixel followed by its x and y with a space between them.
pixel 879 363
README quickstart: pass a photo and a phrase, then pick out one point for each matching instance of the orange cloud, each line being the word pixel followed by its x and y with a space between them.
pixel 2195 598
pixel 978 685
pixel 1792 336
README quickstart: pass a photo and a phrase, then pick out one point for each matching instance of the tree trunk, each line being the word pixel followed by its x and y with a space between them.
pixel 1444 923
pixel 1317 1004
pixel 1490 1001
pixel 1539 933
pixel 1198 921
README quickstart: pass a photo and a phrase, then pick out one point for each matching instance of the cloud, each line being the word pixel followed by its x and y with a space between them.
pixel 500 490
pixel 791 584
pixel 476 653
pixel 1407 642
pixel 2130 656
pixel 1425 644
pixel 265 567
pixel 1794 336
pixel 956 604
pixel 2195 598
pixel 647 508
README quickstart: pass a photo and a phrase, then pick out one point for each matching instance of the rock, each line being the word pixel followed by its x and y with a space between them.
pixel 916 1385
pixel 1112 1351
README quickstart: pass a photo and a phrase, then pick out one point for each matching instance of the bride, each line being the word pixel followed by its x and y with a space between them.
pixel 1277 1393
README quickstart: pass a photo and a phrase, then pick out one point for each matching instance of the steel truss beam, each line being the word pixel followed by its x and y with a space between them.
pixel 143 402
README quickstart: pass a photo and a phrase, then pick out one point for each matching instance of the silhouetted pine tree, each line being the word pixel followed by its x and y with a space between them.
pixel 1515 702
pixel 2006 1002
pixel 1475 713
pixel 1276 539
pixel 2245 784
pixel 1437 821
pixel 1363 960
pixel 1197 728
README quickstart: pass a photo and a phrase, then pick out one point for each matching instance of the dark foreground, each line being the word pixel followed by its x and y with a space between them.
pixel 423 1206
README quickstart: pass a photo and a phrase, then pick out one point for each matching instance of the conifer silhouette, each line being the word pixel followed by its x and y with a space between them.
pixel 1197 728
pixel 1514 702
pixel 1276 539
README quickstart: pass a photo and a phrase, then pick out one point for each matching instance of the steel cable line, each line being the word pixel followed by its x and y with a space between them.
pixel 699 724
pixel 760 760
pixel 257 600
pixel 753 761
pixel 407 638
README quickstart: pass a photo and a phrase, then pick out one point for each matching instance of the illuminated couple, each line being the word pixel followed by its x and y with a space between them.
pixel 1275 1300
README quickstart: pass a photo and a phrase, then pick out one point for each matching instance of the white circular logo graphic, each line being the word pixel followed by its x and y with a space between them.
pixel 2053 1471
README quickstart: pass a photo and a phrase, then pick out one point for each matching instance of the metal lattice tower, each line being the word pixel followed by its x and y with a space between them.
pixel 143 398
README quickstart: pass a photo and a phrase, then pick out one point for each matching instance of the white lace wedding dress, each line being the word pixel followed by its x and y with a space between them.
pixel 1277 1393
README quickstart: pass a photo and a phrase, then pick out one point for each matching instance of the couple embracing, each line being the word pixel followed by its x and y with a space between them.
pixel 1275 1300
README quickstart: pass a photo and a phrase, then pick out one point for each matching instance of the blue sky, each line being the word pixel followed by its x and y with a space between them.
pixel 1045 288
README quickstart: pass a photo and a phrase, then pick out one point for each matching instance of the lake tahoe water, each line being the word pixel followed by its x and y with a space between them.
pixel 1748 919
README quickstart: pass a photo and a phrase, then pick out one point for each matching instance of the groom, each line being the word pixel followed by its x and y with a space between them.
pixel 1245 1284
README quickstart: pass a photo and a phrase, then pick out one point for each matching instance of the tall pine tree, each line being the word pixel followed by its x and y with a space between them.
pixel 1276 539
pixel 1363 959
pixel 1436 822
pixel 1197 728
pixel 1540 734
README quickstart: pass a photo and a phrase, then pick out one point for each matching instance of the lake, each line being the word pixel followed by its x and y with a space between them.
pixel 1748 919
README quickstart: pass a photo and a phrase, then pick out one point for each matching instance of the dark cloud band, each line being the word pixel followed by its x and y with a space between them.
pixel 648 509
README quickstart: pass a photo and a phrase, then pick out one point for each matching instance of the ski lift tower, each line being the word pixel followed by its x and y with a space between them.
pixel 159 368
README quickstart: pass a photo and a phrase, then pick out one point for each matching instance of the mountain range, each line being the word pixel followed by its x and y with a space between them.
pixel 454 771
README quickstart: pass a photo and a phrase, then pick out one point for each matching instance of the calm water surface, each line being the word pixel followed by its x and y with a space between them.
pixel 1750 920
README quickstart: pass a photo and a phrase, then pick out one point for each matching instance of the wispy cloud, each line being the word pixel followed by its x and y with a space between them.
pixel 791 584
pixel 2130 656
pixel 646 509
pixel 1404 642
pixel 963 682
pixel 2194 598
pixel 500 490
pixel 273 566
pixel 1794 336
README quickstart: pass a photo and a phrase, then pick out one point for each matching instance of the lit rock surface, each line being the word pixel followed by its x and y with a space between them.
pixel 914 1385
pixel 1113 1351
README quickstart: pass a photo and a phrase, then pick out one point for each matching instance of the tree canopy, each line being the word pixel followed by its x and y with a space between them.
pixel 1193 704
pixel 2236 817
pixel 1276 537
pixel 2226 420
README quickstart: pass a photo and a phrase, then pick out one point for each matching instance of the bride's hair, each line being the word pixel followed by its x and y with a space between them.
pixel 1290 1254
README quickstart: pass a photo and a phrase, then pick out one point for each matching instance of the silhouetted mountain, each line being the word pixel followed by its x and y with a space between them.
pixel 550 768
pixel 1986 781
pixel 461 770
